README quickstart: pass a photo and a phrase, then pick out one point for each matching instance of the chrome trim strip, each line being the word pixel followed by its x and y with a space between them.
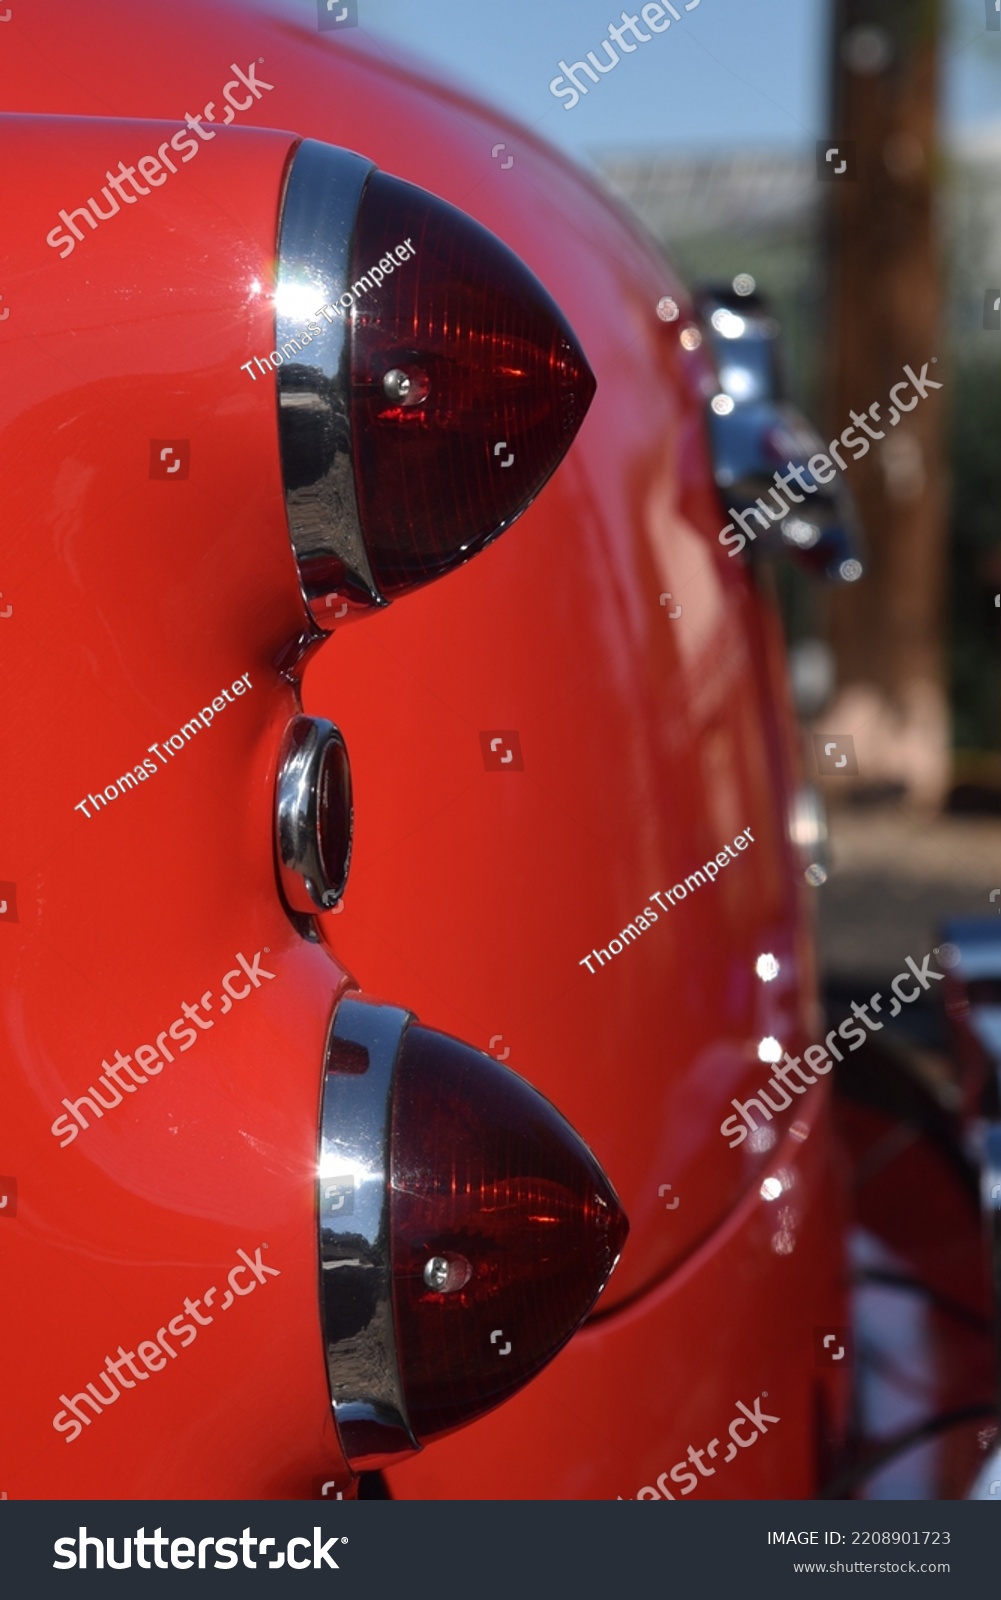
pixel 301 869
pixel 353 1197
pixel 322 198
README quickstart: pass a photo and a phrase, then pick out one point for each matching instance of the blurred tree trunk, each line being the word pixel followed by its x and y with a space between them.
pixel 886 306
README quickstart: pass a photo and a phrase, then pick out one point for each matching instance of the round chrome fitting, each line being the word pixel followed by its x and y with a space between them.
pixel 354 1183
pixel 313 815
pixel 436 1272
pixel 446 1274
pixel 397 384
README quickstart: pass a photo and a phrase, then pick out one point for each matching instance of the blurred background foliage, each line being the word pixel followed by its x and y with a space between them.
pixel 765 218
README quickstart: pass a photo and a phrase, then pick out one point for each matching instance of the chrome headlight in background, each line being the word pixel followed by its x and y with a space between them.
pixel 755 431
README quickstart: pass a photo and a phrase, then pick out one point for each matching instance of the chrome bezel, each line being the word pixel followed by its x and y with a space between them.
pixel 356 1284
pixel 319 214
pixel 301 869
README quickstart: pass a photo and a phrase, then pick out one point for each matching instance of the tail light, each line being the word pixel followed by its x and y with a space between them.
pixel 428 385
pixel 465 1232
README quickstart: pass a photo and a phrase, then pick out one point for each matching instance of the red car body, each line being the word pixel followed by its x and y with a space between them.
pixel 642 673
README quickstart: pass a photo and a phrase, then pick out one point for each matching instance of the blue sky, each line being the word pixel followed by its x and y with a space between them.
pixel 730 73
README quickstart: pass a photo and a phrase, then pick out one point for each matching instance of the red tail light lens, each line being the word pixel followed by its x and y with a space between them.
pixel 491 1183
pixel 428 385
pixel 467 386
pixel 465 1231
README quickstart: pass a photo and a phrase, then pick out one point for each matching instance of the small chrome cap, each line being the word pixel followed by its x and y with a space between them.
pixel 313 815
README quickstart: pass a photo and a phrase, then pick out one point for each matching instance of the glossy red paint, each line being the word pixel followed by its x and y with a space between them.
pixel 137 602
pixel 648 744
pixel 619 1409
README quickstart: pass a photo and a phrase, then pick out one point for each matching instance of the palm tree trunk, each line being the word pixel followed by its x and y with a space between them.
pixel 885 297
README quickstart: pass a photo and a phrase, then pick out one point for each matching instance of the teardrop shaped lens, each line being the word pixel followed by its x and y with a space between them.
pixel 467 385
pixel 487 1173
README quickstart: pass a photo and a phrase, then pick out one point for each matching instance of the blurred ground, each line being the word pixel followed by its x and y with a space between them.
pixel 923 1337
pixel 895 878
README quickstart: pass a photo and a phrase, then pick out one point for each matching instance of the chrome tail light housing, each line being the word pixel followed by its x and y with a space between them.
pixel 428 385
